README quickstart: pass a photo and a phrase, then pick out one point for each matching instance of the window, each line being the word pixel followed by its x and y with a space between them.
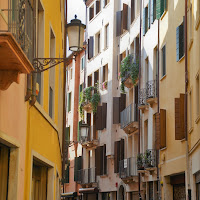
pixel 163 60
pixel 190 110
pixel 133 10
pixel 91 12
pixel 51 102
pixel 83 63
pixel 145 20
pixel 105 73
pixel 179 42
pixel 155 63
pixel 146 135
pixel 146 70
pixel 97 43
pixel 81 88
pixel 96 77
pixel 98 6
pixel 107 36
pixel 161 7
pixel 153 10
pixel 197 95
pixel 69 102
pixel 39 182
pixel 90 80
pixel 4 171
pixel 190 24
pixel 198 190
pixel 106 2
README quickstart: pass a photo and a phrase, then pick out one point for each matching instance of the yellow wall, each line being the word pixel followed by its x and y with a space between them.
pixel 44 135
pixel 170 88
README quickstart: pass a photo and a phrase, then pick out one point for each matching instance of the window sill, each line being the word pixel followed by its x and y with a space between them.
pixel 163 149
pixel 123 34
pixel 197 119
pixel 181 59
pixel 190 130
pixel 89 60
pixel 163 77
pixel 197 23
pixel 106 48
pixel 190 44
pixel 183 140
pixel 162 16
pixel 107 5
pixel 45 115
pixel 95 16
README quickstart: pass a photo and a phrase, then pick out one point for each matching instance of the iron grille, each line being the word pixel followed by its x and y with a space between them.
pixel 142 96
pixel 86 176
pixel 151 89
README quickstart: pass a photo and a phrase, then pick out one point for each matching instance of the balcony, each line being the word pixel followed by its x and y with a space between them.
pixel 143 100
pixel 147 161
pixel 88 139
pixel 129 119
pixel 128 81
pixel 151 92
pixel 87 176
pixel 128 170
pixel 16 41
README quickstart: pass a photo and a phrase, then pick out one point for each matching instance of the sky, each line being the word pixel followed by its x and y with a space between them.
pixel 76 7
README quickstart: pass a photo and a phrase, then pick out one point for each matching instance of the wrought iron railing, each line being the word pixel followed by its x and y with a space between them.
pixel 142 96
pixel 128 168
pixel 147 159
pixel 86 176
pixel 129 115
pixel 151 89
pixel 18 19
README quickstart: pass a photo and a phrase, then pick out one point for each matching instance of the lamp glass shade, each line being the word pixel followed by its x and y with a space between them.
pixel 75 31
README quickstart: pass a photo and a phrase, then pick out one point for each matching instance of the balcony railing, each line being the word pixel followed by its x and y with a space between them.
pixel 146 160
pixel 142 97
pixel 17 18
pixel 87 176
pixel 151 89
pixel 128 168
pixel 129 115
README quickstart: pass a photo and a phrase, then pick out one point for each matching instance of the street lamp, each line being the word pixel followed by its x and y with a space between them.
pixel 84 129
pixel 75 30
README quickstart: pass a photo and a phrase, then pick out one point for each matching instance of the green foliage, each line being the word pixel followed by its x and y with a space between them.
pixel 140 163
pixel 89 95
pixel 147 158
pixel 130 67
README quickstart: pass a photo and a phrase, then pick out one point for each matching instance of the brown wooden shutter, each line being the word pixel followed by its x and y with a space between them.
pixel 182 115
pixel 101 160
pixel 94 127
pixel 122 102
pixel 104 160
pixel 96 77
pixel 118 23
pixel 119 59
pixel 116 112
pixel 90 47
pixel 125 16
pixel 104 115
pixel 97 6
pixel 116 156
pixel 162 128
pixel 97 161
pixel 157 127
pixel 132 10
pixel 91 12
pixel 121 150
pixel 99 118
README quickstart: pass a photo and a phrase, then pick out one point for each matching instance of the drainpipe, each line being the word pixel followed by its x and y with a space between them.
pixel 158 97
pixel 85 69
pixel 188 192
pixel 140 60
pixel 29 90
pixel 33 96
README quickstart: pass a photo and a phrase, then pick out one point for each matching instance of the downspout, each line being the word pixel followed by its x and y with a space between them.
pixel 188 192
pixel 64 99
pixel 158 97
pixel 140 60
pixel 85 69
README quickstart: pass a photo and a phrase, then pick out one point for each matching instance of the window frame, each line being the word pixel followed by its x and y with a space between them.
pixel 163 64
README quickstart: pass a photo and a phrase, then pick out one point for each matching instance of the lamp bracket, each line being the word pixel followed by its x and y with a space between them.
pixel 43 64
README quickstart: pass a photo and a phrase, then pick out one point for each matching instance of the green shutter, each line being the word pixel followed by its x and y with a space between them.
pixel 165 5
pixel 69 102
pixel 161 6
pixel 67 175
pixel 78 136
pixel 144 20
pixel 158 3
pixel 149 14
pixel 76 169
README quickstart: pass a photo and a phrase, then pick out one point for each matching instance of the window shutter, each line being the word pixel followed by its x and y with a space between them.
pixel 125 16
pixel 91 12
pixel 104 3
pixel 121 150
pixel 149 14
pixel 177 43
pixel 161 6
pixel 96 77
pixel 152 11
pixel 132 10
pixel 122 102
pixel 104 160
pixel 99 118
pixel 97 6
pixel 162 128
pixel 67 174
pixel 90 47
pixel 182 115
pixel 101 159
pixel 69 102
pixel 165 5
pixel 94 127
pixel 78 135
pixel 144 21
pixel 116 156
pixel 116 111
pixel 97 161
pixel 76 169
pixel 158 131
pixel 181 40
pixel 104 115
pixel 118 23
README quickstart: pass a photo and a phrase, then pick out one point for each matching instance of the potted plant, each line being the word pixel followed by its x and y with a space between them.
pixel 129 70
pixel 140 163
pixel 89 98
pixel 104 85
pixel 148 159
